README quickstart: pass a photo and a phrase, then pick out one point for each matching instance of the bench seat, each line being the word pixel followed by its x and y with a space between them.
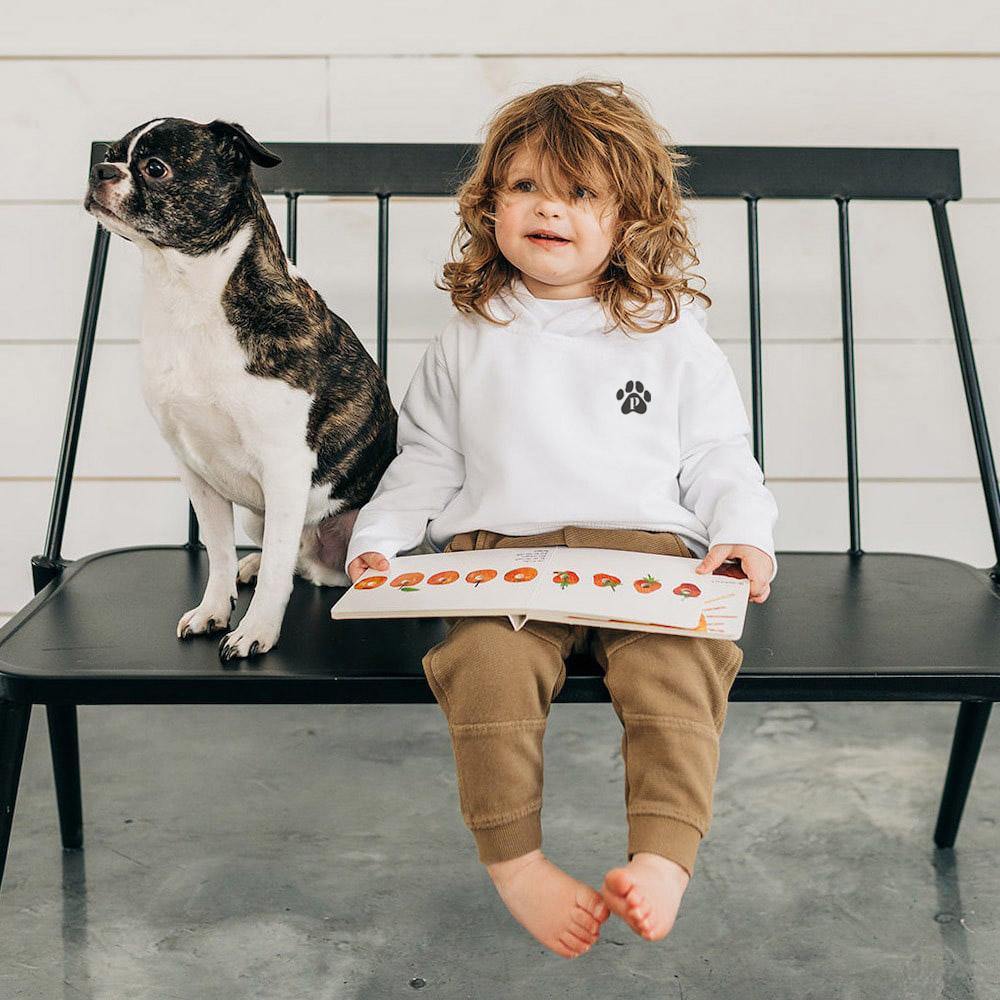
pixel 921 627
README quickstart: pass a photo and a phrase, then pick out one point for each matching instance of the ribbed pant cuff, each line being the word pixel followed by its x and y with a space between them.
pixel 665 836
pixel 504 843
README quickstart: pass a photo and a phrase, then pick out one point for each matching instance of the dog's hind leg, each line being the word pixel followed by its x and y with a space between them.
pixel 323 549
pixel 249 566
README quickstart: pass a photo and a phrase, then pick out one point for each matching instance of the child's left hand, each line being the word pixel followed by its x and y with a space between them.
pixel 756 563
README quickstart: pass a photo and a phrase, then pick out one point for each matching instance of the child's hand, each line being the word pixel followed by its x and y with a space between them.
pixel 367 560
pixel 756 563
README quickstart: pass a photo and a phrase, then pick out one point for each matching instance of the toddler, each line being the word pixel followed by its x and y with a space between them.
pixel 576 398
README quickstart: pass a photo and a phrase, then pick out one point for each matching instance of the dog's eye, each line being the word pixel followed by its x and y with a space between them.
pixel 155 168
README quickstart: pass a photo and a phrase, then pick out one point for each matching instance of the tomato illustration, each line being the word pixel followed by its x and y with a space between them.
pixel 606 580
pixel 446 576
pixel 687 590
pixel 521 575
pixel 370 583
pixel 478 576
pixel 647 584
pixel 407 581
pixel 565 578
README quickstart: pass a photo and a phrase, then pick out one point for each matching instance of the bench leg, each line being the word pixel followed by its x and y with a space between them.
pixel 66 767
pixel 969 732
pixel 14 718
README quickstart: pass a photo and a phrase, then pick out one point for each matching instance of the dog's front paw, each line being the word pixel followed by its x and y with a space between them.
pixel 205 619
pixel 249 638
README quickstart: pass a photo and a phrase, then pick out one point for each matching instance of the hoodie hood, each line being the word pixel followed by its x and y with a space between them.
pixel 567 317
pixel 558 316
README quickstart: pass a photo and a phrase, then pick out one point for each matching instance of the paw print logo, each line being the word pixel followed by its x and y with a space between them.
pixel 635 396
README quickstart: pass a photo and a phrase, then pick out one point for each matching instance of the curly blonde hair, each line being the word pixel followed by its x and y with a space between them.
pixel 584 129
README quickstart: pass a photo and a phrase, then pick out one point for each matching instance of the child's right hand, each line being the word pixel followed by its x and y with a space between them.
pixel 367 560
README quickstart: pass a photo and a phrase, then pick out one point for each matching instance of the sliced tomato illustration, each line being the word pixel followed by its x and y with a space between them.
pixel 521 575
pixel 606 580
pixel 647 584
pixel 687 590
pixel 478 576
pixel 445 576
pixel 565 578
pixel 407 581
pixel 370 583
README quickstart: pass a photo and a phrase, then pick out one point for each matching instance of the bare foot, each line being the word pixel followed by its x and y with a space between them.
pixel 562 913
pixel 646 893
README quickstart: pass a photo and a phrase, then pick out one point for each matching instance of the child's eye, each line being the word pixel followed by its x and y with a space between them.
pixel 580 191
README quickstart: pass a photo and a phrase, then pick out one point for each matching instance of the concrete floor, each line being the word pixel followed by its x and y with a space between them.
pixel 318 852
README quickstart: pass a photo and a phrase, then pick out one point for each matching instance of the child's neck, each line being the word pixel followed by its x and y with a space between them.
pixel 540 290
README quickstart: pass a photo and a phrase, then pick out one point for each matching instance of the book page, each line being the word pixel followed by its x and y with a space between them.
pixel 484 582
pixel 558 583
pixel 618 585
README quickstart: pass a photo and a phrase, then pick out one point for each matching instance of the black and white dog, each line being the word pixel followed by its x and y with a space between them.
pixel 267 398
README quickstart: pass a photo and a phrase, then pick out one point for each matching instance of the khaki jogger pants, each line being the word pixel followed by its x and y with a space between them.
pixel 495 687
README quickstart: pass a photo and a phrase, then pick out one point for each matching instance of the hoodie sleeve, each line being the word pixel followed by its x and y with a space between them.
pixel 428 470
pixel 720 480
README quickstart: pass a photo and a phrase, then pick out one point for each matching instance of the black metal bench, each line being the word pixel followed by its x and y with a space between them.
pixel 838 626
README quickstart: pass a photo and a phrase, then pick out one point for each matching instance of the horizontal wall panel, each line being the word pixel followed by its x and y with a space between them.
pixel 896 270
pixel 924 102
pixel 913 421
pixel 943 519
pixel 737 101
pixel 436 27
pixel 76 101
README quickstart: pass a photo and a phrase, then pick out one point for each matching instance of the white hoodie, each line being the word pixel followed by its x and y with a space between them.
pixel 550 421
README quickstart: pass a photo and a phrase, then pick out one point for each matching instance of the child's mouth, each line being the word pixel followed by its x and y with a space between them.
pixel 549 241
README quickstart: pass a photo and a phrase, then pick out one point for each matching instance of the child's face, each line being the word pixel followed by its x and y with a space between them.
pixel 551 269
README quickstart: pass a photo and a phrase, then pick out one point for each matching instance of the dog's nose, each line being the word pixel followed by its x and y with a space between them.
pixel 104 172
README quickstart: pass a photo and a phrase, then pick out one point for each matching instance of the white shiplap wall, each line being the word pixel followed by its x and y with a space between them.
pixel 830 76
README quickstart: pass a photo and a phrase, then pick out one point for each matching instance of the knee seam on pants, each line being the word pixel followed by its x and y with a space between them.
pixel 673 722
pixel 485 728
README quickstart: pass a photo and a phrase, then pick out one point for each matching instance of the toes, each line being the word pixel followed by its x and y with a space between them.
pixel 202 621
pixel 586 923
pixel 575 945
pixel 240 644
pixel 591 909
pixel 618 882
pixel 613 903
pixel 617 885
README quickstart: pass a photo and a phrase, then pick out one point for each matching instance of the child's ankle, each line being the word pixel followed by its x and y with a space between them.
pixel 503 871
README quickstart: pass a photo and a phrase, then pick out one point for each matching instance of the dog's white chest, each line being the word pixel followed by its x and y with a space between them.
pixel 208 408
pixel 201 397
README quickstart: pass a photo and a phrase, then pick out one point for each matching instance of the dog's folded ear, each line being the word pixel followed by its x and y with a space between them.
pixel 242 142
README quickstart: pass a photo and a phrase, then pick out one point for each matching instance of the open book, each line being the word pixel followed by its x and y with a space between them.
pixel 580 586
